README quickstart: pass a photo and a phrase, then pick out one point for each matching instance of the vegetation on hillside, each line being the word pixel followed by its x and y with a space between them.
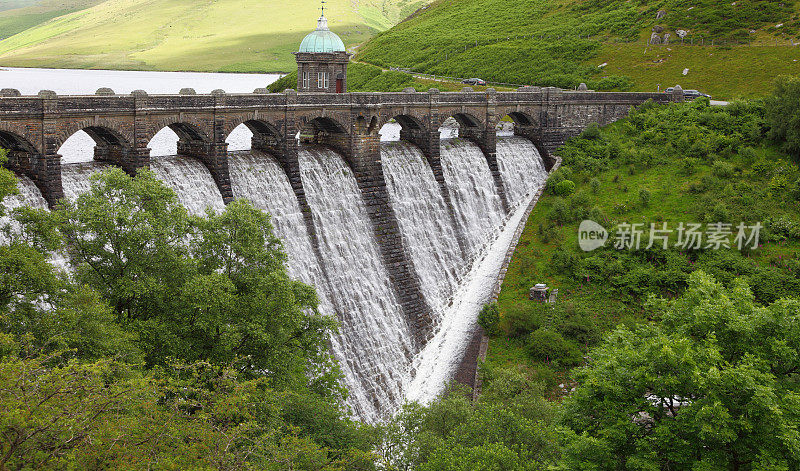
pixel 227 35
pixel 18 15
pixel 561 44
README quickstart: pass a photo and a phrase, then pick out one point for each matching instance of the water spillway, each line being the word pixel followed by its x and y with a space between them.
pixel 452 229
pixel 29 195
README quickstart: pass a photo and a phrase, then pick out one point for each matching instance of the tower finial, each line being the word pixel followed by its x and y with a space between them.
pixel 322 7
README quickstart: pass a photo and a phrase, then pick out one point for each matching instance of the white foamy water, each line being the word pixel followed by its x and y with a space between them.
pixel 29 195
pixel 376 340
pixel 258 177
pixel 424 221
pixel 191 181
pixel 479 211
pixel 521 168
pixel 75 178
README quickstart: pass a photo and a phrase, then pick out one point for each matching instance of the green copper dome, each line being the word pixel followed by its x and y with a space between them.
pixel 322 39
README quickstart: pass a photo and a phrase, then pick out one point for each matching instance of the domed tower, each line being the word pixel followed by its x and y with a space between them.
pixel 322 61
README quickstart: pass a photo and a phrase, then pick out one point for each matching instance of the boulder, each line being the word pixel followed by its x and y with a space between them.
pixel 681 33
pixel 655 38
pixel 658 29
pixel 660 14
pixel 666 39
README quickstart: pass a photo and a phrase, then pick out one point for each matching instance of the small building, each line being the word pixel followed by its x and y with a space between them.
pixel 322 61
pixel 539 292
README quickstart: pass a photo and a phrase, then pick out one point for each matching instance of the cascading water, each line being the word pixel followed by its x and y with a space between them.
pixel 375 338
pixel 523 174
pixel 424 221
pixel 521 167
pixel 29 195
pixel 191 181
pixel 374 346
pixel 258 177
pixel 479 211
pixel 75 178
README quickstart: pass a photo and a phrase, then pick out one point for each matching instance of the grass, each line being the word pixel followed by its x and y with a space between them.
pixel 17 16
pixel 723 72
pixel 221 35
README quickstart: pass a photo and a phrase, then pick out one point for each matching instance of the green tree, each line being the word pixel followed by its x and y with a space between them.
pixel 713 386
pixel 783 115
pixel 209 288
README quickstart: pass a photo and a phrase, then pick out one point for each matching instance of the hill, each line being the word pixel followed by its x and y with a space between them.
pixel 729 49
pixel 222 35
pixel 674 164
pixel 19 15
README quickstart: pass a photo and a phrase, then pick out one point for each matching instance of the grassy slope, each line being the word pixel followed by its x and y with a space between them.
pixel 221 35
pixel 19 15
pixel 600 289
pixel 561 43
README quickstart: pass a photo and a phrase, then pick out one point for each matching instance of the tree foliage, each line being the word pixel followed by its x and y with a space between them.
pixel 712 386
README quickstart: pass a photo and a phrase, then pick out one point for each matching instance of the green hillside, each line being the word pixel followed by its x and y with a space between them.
pixel 600 42
pixel 221 35
pixel 19 15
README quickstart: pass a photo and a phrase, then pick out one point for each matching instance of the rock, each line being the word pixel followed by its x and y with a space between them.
pixel 685 71
pixel 602 65
pixel 582 87
pixel 681 33
pixel 666 38
pixel 779 25
pixel 752 31
pixel 658 29
pixel 655 38
pixel 660 14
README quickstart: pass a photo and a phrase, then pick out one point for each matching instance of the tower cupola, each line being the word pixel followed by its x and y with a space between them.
pixel 322 61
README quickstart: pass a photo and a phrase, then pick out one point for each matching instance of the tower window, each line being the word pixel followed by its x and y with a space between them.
pixel 323 80
pixel 306 80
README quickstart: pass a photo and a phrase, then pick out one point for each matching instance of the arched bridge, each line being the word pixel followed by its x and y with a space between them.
pixel 33 128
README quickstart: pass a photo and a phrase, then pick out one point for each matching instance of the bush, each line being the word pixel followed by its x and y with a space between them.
pixel 722 169
pixel 489 319
pixel 594 183
pixel 547 345
pixel 564 188
pixel 644 197
pixel 591 132
pixel 522 318
pixel 560 212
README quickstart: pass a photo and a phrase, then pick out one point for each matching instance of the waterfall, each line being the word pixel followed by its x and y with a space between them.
pixel 375 338
pixel 374 346
pixel 479 211
pixel 521 167
pixel 190 180
pixel 29 195
pixel 258 177
pixel 75 177
pixel 424 221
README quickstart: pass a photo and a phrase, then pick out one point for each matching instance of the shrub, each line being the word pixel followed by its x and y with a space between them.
pixel 489 319
pixel 689 166
pixel 591 132
pixel 549 346
pixel 644 197
pixel 560 212
pixel 522 318
pixel 722 169
pixel 594 183
pixel 564 188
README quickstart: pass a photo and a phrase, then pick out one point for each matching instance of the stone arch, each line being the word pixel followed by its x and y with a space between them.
pixel 104 132
pixel 326 131
pixel 527 126
pixel 25 159
pixel 21 153
pixel 266 136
